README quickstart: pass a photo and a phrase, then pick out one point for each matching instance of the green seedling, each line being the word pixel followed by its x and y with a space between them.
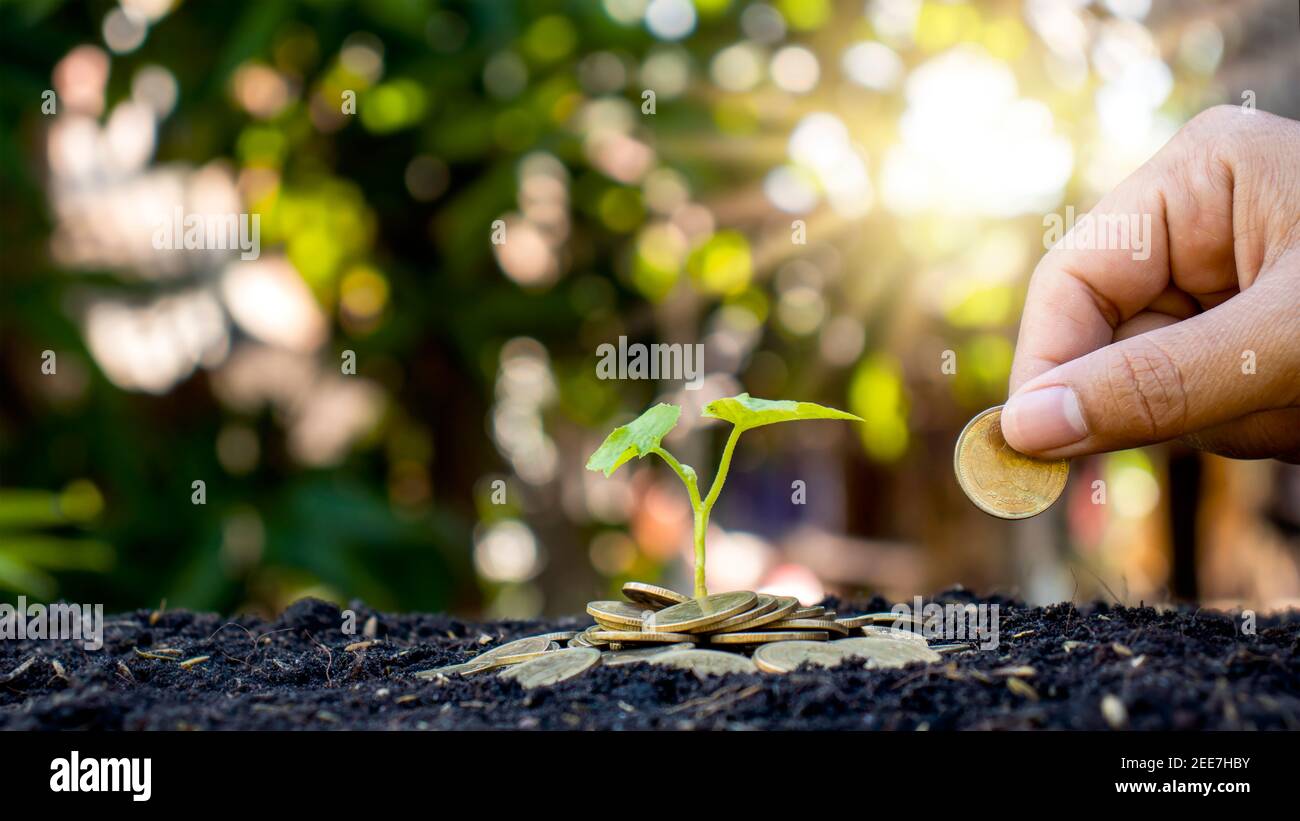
pixel 643 436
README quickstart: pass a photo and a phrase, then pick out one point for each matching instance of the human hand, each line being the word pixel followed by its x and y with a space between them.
pixel 1201 338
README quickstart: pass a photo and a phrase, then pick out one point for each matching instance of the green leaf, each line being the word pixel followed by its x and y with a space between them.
pixel 636 438
pixel 746 412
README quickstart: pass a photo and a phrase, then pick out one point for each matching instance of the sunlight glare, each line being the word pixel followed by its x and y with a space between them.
pixel 971 145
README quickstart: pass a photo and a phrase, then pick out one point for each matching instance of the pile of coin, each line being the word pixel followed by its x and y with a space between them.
pixel 737 632
pixel 656 615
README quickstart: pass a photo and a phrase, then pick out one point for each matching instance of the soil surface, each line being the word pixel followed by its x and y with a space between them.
pixel 1170 669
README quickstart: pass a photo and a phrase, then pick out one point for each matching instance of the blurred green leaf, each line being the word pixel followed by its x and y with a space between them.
pixel 20 576
pixel 29 509
pixel 54 553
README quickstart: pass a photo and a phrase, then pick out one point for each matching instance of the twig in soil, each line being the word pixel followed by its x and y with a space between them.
pixel 1023 671
pixel 924 672
pixel 1273 706
pixel 13 674
pixel 1070 613
pixel 329 657
pixel 1134 634
pixel 720 700
pixel 255 639
pixel 1223 695
pixel 953 647
pixel 159 654
pixel 1100 581
pixel 951 672
pixel 1022 688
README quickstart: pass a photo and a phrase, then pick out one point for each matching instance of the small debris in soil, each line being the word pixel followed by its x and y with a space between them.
pixel 1094 667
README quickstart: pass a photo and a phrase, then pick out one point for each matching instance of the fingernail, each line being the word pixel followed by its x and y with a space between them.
pixel 1043 419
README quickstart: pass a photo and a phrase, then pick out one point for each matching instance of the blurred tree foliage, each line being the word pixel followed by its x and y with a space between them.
pixel 665 227
pixel 330 530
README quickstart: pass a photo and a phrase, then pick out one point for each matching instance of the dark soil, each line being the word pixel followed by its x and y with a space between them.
pixel 1181 669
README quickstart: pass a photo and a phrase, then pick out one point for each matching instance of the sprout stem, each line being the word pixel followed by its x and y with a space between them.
pixel 701 528
pixel 723 466
pixel 702 508
pixel 684 472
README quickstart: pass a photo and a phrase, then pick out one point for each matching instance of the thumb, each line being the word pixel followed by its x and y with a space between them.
pixel 1234 359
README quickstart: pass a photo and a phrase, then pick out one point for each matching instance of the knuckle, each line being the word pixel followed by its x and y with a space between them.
pixel 1147 386
pixel 1217 116
pixel 1207 127
pixel 1228 128
pixel 1224 118
pixel 1218 128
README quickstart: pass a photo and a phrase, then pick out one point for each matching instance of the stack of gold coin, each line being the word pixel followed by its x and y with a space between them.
pixel 661 626
pixel 741 620
pixel 736 620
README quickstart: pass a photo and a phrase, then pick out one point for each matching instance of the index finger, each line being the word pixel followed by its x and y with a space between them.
pixel 1109 267
pixel 1168 225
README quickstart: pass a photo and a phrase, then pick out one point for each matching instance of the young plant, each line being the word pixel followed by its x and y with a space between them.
pixel 643 435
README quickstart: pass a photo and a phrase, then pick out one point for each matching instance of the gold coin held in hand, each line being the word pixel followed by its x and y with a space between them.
pixel 1000 480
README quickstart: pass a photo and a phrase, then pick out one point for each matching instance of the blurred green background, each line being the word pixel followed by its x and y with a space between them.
pixel 835 198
